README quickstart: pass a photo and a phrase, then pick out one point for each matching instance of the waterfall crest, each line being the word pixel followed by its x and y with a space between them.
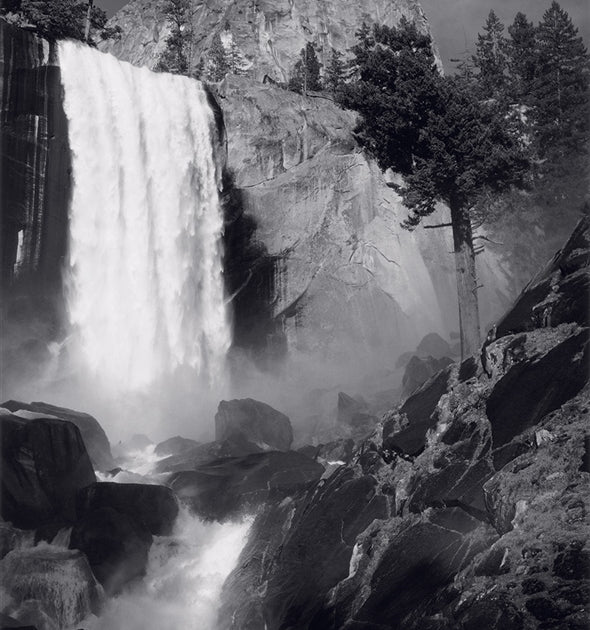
pixel 144 277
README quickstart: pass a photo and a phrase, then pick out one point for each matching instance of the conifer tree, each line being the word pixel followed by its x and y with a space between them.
pixel 449 145
pixel 335 71
pixel 521 58
pixel 490 57
pixel 306 74
pixel 560 89
pixel 177 54
pixel 217 65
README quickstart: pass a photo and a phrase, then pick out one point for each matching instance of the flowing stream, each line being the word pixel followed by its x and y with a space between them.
pixel 144 277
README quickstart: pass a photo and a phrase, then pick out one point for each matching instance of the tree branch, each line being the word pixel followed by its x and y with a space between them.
pixel 438 225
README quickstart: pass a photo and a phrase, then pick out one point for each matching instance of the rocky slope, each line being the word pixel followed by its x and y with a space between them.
pixel 268 33
pixel 466 509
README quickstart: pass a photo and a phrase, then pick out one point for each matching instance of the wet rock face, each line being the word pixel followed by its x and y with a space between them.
pixel 155 507
pixel 115 544
pixel 95 439
pixel 58 582
pixel 44 464
pixel 229 486
pixel 268 33
pixel 253 421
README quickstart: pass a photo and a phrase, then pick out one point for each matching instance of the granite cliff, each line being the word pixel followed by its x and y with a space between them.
pixel 268 33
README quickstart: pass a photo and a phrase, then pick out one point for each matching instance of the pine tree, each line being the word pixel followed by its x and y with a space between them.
pixel 335 71
pixel 560 89
pixel 521 58
pixel 490 57
pixel 217 65
pixel 306 74
pixel 177 54
pixel 449 145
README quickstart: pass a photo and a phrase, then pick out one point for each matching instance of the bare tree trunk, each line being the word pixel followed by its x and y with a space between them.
pixel 466 280
pixel 88 16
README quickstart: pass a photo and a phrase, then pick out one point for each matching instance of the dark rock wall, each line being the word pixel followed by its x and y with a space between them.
pixel 35 161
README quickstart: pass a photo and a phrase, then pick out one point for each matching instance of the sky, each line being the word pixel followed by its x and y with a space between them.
pixel 456 22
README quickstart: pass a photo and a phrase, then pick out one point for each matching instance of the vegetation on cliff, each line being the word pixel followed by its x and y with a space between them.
pixel 60 19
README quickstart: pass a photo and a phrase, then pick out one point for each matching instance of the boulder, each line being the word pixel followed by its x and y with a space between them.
pixel 174 446
pixel 418 410
pixel 115 544
pixel 253 421
pixel 202 454
pixel 60 581
pixel 433 345
pixel 228 486
pixel 418 371
pixel 355 415
pixel 154 507
pixel 44 464
pixel 95 439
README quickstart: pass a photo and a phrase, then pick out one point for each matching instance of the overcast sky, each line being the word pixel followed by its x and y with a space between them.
pixel 456 22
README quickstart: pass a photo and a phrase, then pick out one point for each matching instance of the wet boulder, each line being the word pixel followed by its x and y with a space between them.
pixel 253 421
pixel 190 458
pixel 175 446
pixel 433 345
pixel 152 506
pixel 116 545
pixel 44 464
pixel 59 582
pixel 227 486
pixel 95 439
pixel 418 371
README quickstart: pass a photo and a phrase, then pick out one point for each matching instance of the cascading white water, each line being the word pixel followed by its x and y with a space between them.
pixel 144 278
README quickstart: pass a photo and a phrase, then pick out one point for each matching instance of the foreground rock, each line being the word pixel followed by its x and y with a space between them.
pixel 253 421
pixel 154 507
pixel 226 487
pixel 49 583
pixel 95 439
pixel 44 464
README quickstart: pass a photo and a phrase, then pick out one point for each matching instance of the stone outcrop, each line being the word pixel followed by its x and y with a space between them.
pixel 95 439
pixel 45 581
pixel 44 464
pixel 233 485
pixel 471 516
pixel 155 507
pixel 269 34
pixel 255 422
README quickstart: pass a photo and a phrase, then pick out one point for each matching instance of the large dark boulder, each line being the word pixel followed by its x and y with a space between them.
pixel 154 507
pixel 253 421
pixel 433 345
pixel 418 409
pixel 44 464
pixel 227 486
pixel 116 545
pixel 190 458
pixel 418 371
pixel 95 439
pixel 175 446
pixel 534 387
pixel 59 581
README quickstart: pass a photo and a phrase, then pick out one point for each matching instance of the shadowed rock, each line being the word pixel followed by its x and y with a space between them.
pixel 227 486
pixel 44 464
pixel 155 507
pixel 253 421
pixel 95 439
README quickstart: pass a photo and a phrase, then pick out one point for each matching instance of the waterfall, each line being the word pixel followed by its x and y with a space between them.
pixel 144 283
